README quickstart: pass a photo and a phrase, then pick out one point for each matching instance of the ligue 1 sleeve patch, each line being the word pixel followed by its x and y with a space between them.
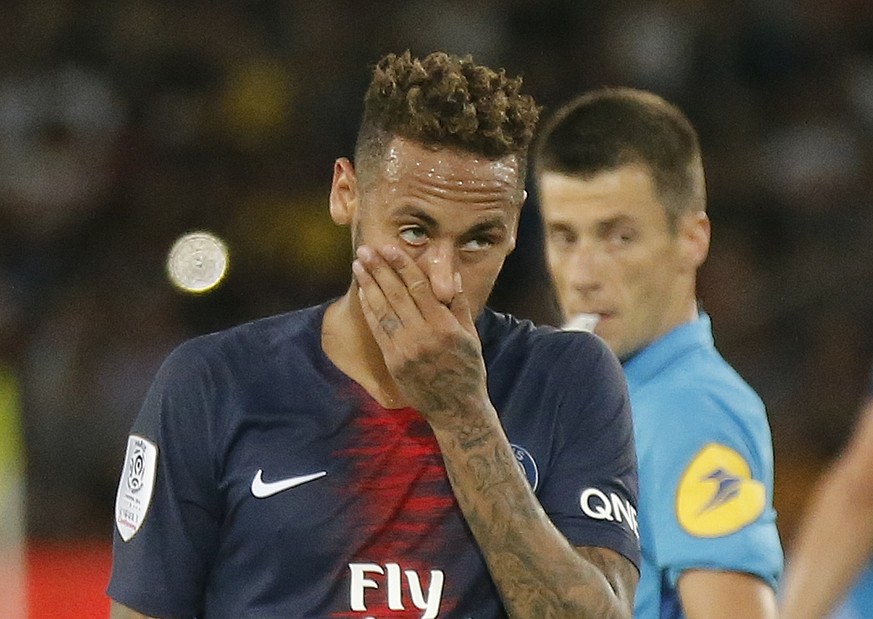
pixel 717 495
pixel 135 486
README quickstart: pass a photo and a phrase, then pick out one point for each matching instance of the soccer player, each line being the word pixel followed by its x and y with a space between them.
pixel 834 542
pixel 402 451
pixel 622 197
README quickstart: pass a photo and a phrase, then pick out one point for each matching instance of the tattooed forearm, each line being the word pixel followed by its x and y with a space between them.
pixel 444 381
pixel 470 434
pixel 489 471
pixel 537 571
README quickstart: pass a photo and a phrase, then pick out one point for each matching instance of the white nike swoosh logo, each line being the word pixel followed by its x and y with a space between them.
pixel 262 489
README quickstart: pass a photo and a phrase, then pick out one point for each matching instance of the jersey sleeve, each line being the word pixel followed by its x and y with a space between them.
pixel 167 507
pixel 707 485
pixel 590 491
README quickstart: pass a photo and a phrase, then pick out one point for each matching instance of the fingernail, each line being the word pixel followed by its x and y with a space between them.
pixel 459 286
pixel 357 267
pixel 364 253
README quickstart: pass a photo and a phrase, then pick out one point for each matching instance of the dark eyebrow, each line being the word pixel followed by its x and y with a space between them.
pixel 613 222
pixel 489 223
pixel 494 223
pixel 414 211
pixel 558 225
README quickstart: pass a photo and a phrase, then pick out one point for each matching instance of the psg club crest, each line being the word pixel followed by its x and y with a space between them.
pixel 527 464
pixel 135 486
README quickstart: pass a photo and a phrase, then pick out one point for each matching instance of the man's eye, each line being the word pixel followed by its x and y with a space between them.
pixel 562 238
pixel 478 244
pixel 414 235
pixel 624 236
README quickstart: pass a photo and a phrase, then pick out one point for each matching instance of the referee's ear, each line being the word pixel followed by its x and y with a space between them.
pixel 344 194
pixel 694 234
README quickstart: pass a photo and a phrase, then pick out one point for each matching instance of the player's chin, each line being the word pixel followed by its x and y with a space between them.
pixel 476 309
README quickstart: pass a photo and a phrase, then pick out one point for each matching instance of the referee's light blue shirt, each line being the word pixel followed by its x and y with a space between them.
pixel 706 468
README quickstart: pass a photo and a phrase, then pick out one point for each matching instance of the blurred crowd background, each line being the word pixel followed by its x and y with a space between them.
pixel 126 123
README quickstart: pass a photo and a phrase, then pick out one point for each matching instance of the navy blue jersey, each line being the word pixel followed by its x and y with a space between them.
pixel 261 481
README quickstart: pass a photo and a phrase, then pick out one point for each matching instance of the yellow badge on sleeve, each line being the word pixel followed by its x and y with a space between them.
pixel 717 495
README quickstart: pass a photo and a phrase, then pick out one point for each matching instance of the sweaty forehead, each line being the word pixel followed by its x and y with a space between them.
pixel 406 161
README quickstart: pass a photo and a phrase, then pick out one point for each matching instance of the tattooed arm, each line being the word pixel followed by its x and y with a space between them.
pixel 537 571
pixel 433 353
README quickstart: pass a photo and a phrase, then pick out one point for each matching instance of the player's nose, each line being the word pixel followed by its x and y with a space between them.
pixel 440 266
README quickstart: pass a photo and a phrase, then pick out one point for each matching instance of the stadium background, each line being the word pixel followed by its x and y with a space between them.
pixel 126 123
